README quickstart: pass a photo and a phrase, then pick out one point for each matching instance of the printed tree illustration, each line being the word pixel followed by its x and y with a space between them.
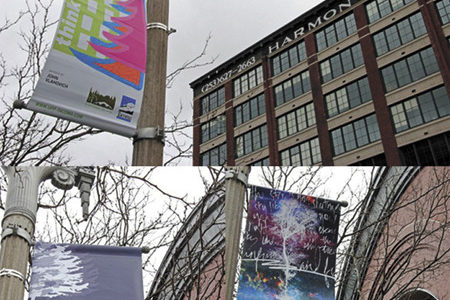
pixel 57 273
pixel 292 221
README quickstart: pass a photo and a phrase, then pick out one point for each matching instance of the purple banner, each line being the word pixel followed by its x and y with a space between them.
pixel 74 272
pixel 289 247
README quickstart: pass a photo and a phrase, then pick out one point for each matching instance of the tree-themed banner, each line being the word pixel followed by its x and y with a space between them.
pixel 289 247
pixel 73 272
pixel 94 73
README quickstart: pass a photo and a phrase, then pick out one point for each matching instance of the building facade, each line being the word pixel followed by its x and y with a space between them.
pixel 347 83
pixel 400 248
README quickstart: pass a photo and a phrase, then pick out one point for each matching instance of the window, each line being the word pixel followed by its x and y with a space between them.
pixel 296 121
pixel 335 32
pixel 421 109
pixel 288 58
pixel 251 141
pixel 212 128
pixel 212 101
pixel 341 63
pixel 292 88
pixel 248 81
pixel 348 97
pixel 410 69
pixel 261 163
pixel 433 151
pixel 249 110
pixel 355 135
pixel 304 154
pixel 399 34
pixel 378 160
pixel 443 7
pixel 377 9
pixel 215 157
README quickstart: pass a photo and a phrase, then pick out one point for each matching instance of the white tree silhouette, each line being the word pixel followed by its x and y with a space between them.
pixel 56 272
pixel 291 221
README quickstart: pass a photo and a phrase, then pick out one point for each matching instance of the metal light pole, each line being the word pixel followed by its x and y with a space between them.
pixel 149 142
pixel 20 217
pixel 235 189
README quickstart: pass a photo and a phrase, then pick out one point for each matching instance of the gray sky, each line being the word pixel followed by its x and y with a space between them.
pixel 234 25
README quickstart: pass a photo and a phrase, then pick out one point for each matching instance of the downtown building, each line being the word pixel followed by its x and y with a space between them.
pixel 347 83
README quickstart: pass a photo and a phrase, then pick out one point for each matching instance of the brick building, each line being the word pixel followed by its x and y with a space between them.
pixel 346 83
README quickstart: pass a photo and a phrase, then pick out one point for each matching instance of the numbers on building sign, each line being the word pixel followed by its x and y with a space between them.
pixel 227 75
pixel 246 65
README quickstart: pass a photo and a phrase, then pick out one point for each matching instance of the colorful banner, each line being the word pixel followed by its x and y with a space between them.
pixel 289 247
pixel 94 74
pixel 73 272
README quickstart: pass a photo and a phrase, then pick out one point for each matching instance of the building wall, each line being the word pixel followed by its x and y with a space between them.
pixel 211 284
pixel 382 150
pixel 416 238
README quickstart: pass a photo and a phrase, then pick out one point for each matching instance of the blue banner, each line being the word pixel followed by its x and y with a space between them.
pixel 289 247
pixel 74 272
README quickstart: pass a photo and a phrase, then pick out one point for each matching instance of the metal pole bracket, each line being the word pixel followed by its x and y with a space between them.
pixel 239 176
pixel 17 231
pixel 150 133
pixel 161 26
pixel 13 273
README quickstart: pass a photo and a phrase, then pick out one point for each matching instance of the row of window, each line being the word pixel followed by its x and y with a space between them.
pixel 341 63
pixel 296 120
pixel 288 58
pixel 355 134
pixel 378 9
pixel 335 32
pixel 409 69
pixel 399 34
pixel 421 109
pixel 249 110
pixel 212 128
pixel 292 88
pixel 387 40
pixel 443 7
pixel 251 141
pixel 247 81
pixel 304 154
pixel 348 97
pixel 214 157
pixel 434 151
pixel 212 101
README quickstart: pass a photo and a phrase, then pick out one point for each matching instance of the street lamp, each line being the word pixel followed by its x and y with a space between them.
pixel 20 218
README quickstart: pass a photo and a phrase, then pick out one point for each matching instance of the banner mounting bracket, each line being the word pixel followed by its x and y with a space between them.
pixel 150 133
pixel 157 25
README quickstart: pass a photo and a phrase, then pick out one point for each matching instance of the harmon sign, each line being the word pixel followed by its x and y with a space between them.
pixel 299 32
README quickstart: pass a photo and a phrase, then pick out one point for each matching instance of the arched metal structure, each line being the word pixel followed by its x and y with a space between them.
pixel 198 243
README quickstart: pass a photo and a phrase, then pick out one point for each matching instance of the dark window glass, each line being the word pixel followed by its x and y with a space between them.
pixel 292 88
pixel 212 101
pixel 249 110
pixel 355 134
pixel 288 58
pixel 443 7
pixel 421 109
pixel 305 154
pixel 379 8
pixel 341 63
pixel 335 32
pixel 251 141
pixel 214 157
pixel 409 69
pixel 247 81
pixel 348 97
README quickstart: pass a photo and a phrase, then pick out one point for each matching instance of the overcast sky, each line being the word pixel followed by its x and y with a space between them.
pixel 233 24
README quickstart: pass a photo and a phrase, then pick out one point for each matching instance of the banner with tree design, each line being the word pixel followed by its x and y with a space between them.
pixel 73 272
pixel 289 247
